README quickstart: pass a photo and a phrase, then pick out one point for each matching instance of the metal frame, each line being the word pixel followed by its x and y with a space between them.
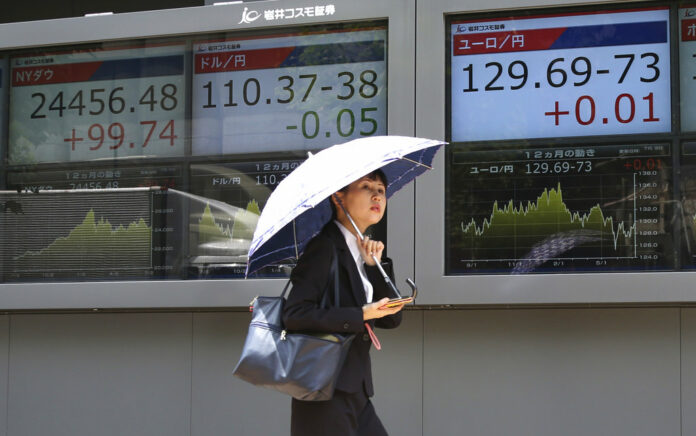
pixel 234 17
pixel 438 289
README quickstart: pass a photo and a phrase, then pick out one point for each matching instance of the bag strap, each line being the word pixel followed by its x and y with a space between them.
pixel 334 270
pixel 285 289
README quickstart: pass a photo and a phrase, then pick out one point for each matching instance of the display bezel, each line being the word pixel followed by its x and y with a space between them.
pixel 579 39
pixel 200 22
pixel 561 288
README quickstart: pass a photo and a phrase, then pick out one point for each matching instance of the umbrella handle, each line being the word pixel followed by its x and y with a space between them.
pixel 392 286
pixel 414 288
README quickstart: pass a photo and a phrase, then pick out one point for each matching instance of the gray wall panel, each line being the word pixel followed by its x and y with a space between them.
pixel 105 374
pixel 4 356
pixel 401 111
pixel 551 372
pixel 223 404
pixel 397 372
pixel 688 322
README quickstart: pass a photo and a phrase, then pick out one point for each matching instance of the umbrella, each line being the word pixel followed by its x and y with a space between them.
pixel 299 206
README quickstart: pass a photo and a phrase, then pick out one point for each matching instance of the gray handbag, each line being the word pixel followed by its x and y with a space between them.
pixel 302 365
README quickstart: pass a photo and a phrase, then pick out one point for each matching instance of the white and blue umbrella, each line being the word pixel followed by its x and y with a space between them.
pixel 299 206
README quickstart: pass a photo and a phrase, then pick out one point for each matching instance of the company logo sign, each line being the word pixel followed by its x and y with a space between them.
pixel 251 15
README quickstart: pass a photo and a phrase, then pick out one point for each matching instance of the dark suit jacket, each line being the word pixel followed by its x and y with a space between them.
pixel 302 313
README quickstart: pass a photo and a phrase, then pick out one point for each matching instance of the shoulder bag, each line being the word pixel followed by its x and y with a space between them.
pixel 302 365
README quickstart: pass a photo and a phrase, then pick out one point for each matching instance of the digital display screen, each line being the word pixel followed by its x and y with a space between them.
pixel 687 67
pixel 574 74
pixel 3 108
pixel 164 218
pixel 687 185
pixel 554 209
pixel 289 92
pixel 225 203
pixel 78 235
pixel 85 105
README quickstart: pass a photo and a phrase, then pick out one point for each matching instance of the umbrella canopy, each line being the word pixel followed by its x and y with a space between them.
pixel 299 206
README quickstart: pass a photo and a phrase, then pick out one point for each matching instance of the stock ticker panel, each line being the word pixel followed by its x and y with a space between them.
pixel 303 91
pixel 63 225
pixel 562 75
pixel 84 105
pixel 576 206
pixel 687 205
pixel 224 205
pixel 85 235
pixel 687 66
pixel 559 209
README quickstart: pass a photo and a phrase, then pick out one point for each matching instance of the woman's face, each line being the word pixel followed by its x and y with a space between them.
pixel 365 200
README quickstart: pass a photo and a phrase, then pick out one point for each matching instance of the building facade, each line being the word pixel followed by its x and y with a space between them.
pixel 552 241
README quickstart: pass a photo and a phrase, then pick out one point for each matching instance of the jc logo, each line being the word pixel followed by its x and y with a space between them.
pixel 249 16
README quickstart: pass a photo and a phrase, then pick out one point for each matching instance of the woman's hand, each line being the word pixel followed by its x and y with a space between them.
pixel 368 247
pixel 374 311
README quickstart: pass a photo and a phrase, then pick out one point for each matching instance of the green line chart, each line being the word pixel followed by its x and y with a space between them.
pixel 96 241
pixel 533 222
pixel 558 209
pixel 77 235
pixel 242 227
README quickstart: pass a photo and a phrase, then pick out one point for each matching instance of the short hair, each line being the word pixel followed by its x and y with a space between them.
pixel 374 175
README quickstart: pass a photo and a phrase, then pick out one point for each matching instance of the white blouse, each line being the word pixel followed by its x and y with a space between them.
pixel 352 242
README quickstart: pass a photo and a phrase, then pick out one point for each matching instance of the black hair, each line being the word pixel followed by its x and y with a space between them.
pixel 374 175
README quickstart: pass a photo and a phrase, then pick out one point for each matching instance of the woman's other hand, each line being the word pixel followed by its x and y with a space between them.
pixel 378 310
pixel 368 247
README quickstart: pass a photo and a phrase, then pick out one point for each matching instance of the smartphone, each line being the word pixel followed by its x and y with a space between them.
pixel 397 302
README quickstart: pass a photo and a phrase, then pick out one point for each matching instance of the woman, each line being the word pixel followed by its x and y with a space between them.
pixel 362 293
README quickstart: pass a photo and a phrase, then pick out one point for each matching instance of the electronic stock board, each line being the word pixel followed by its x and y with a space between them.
pixel 521 200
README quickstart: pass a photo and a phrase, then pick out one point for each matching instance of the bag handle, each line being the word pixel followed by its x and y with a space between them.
pixel 334 270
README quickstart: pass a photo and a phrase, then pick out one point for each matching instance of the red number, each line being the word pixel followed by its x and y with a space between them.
pixel 152 129
pixel 171 136
pixel 650 164
pixel 617 112
pixel 651 116
pixel 592 110
pixel 114 136
pixel 99 138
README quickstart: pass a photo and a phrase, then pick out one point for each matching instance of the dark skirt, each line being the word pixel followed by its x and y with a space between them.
pixel 343 415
